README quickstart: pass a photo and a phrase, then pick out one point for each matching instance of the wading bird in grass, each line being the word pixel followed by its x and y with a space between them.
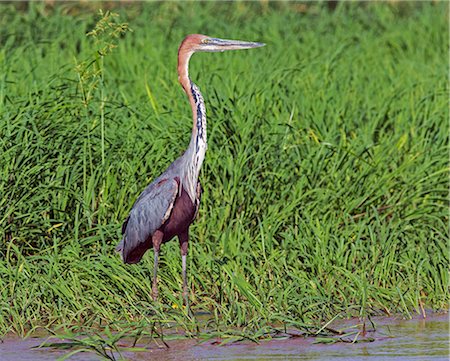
pixel 168 205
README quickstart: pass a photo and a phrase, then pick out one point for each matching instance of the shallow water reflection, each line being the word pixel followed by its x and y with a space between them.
pixel 403 340
pixel 416 339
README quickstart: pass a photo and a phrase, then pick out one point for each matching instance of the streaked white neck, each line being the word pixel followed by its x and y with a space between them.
pixel 195 154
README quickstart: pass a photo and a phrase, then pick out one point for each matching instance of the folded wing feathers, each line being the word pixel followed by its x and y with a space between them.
pixel 150 211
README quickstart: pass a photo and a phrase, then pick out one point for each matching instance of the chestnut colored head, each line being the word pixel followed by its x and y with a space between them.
pixel 198 42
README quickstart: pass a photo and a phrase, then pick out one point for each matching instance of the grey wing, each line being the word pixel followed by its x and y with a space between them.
pixel 149 213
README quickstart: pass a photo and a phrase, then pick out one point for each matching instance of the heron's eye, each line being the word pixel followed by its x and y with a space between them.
pixel 206 41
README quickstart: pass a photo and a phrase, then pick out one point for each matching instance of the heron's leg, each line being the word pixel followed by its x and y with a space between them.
pixel 156 240
pixel 155 275
pixel 184 238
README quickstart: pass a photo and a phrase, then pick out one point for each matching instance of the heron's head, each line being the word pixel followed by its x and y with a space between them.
pixel 197 42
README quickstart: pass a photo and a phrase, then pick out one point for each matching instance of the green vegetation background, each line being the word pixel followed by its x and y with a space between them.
pixel 325 181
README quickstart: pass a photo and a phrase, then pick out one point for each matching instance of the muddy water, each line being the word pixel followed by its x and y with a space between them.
pixel 417 339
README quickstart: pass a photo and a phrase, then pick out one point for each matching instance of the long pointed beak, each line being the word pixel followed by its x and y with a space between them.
pixel 215 44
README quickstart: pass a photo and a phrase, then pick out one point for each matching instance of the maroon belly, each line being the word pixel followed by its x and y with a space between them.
pixel 181 217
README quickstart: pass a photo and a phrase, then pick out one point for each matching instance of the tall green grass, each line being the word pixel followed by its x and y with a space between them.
pixel 325 182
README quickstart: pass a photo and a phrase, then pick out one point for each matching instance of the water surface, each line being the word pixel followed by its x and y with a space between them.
pixel 394 338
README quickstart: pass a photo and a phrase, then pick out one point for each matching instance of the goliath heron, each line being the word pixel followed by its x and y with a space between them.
pixel 168 206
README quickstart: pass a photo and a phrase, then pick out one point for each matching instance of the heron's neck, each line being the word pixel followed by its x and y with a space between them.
pixel 195 154
pixel 198 137
pixel 194 95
